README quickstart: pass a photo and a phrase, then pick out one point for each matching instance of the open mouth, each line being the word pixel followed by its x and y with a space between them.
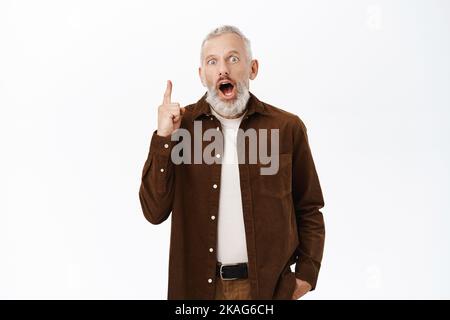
pixel 227 89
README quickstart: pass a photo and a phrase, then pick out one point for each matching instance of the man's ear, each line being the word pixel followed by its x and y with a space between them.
pixel 200 75
pixel 254 66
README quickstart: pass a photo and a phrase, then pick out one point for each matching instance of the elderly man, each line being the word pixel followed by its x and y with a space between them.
pixel 235 231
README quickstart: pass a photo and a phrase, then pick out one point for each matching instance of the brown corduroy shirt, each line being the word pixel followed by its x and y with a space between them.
pixel 282 218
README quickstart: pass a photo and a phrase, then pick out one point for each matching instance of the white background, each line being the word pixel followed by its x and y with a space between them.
pixel 80 82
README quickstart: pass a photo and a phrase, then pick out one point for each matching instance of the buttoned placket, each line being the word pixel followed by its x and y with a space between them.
pixel 215 174
pixel 213 217
pixel 247 210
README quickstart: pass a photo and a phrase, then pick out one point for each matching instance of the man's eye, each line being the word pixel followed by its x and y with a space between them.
pixel 234 59
pixel 212 61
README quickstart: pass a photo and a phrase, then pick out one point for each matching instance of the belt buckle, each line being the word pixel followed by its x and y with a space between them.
pixel 230 264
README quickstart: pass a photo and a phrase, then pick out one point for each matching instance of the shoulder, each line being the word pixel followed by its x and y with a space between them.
pixel 189 111
pixel 190 108
pixel 283 117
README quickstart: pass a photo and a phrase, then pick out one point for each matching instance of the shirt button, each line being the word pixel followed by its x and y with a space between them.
pixel 217 128
pixel 211 249
pixel 211 118
pixel 209 280
pixel 215 186
pixel 218 155
pixel 213 217
pixel 162 170
pixel 166 145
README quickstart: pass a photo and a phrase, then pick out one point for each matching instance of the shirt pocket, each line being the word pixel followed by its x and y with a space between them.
pixel 276 185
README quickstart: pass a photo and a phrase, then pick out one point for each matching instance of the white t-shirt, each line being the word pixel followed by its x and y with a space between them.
pixel 231 240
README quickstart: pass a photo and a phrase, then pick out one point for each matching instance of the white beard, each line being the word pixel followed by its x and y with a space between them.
pixel 229 109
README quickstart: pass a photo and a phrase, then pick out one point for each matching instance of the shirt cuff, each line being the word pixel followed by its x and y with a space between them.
pixel 161 145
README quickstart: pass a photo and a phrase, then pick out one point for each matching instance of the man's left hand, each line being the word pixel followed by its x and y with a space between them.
pixel 301 288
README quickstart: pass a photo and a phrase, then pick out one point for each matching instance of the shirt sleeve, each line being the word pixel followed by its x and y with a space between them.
pixel 157 183
pixel 308 200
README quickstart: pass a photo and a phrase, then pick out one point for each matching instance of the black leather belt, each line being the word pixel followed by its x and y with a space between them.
pixel 232 271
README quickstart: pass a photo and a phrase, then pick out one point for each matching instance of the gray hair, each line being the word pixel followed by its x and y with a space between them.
pixel 227 29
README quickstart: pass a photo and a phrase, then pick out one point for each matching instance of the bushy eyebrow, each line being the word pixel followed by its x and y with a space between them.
pixel 229 52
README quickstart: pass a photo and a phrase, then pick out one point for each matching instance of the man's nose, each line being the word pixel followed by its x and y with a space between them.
pixel 223 70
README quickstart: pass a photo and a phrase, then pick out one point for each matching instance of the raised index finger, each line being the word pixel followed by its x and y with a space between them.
pixel 168 93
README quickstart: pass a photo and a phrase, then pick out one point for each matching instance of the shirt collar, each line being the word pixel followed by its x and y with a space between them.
pixel 202 107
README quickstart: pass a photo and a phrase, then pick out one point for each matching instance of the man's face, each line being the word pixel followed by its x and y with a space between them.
pixel 225 64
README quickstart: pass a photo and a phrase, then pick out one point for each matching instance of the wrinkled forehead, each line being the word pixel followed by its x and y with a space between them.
pixel 223 44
